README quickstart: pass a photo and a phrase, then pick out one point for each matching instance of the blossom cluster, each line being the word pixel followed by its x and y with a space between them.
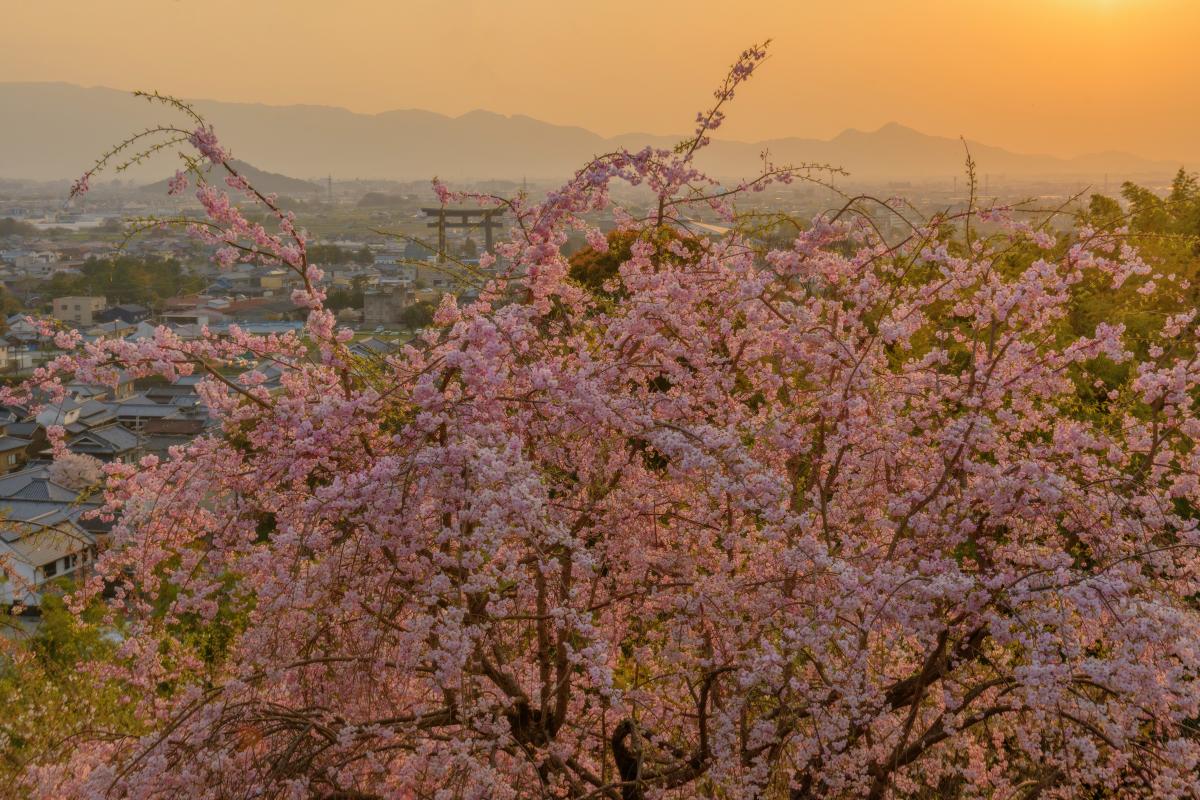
pixel 843 518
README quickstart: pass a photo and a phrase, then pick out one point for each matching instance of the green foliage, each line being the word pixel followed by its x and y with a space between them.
pixel 126 279
pixel 381 200
pixel 418 315
pixel 337 299
pixel 332 255
pixel 1104 212
pixel 16 227
pixel 47 698
pixel 208 641
pixel 1177 213
pixel 1166 231
pixel 8 305
pixel 594 270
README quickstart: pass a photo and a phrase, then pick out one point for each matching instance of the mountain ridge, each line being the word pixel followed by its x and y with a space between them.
pixel 56 129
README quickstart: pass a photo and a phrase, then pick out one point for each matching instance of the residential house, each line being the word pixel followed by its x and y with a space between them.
pixel 173 393
pixel 371 347
pixel 113 442
pixel 130 313
pixel 63 413
pixel 160 435
pixel 235 283
pixel 199 317
pixel 273 280
pixel 78 311
pixel 21 330
pixel 40 265
pixel 43 534
pixel 27 429
pixel 136 411
pixel 114 329
pixel 143 331
pixel 93 412
pixel 99 391
pixel 382 307
pixel 14 450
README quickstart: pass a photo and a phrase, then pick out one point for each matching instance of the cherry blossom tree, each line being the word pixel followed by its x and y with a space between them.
pixel 853 517
pixel 77 471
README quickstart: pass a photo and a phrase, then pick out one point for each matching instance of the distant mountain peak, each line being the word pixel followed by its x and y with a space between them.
pixel 54 131
pixel 482 113
pixel 889 130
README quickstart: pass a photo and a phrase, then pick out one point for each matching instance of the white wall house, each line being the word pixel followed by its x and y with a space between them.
pixel 42 538
pixel 64 413
pixel 35 553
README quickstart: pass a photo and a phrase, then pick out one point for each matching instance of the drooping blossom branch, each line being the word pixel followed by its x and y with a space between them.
pixel 840 517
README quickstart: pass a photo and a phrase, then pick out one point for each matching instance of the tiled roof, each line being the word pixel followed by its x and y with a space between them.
pixel 118 436
pixel 12 443
pixel 174 426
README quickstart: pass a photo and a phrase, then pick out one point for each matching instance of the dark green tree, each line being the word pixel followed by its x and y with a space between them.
pixel 418 315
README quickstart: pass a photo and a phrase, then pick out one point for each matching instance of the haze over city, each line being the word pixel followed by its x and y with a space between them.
pixel 1064 77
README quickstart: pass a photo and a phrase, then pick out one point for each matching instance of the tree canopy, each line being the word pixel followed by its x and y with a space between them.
pixel 689 517
pixel 334 255
pixel 146 280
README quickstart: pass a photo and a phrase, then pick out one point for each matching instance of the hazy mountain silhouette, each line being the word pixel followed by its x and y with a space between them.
pixel 260 179
pixel 54 130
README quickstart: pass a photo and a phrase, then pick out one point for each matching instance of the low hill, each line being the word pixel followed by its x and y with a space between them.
pixel 261 179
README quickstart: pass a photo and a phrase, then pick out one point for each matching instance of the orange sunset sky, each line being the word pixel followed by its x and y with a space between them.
pixel 1057 76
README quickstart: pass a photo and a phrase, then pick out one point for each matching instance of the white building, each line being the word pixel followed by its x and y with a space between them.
pixel 78 310
pixel 41 536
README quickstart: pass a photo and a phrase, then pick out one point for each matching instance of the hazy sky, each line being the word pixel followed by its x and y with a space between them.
pixel 1059 76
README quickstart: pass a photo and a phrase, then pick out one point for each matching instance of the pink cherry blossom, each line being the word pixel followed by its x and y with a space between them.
pixel 846 518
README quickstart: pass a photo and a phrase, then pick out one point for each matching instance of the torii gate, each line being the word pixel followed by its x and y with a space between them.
pixel 487 221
